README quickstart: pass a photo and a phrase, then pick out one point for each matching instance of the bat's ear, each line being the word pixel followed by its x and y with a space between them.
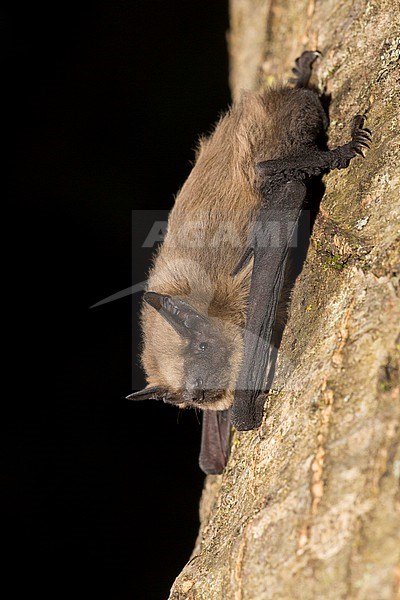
pixel 153 392
pixel 185 319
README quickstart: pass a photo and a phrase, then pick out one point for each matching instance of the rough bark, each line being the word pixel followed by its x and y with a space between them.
pixel 309 505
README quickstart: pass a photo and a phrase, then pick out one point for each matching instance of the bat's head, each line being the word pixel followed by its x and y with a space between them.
pixel 191 359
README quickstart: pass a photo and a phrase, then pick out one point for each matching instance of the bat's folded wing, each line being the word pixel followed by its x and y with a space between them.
pixel 272 236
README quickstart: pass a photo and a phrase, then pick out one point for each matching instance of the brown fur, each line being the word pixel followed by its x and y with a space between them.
pixel 222 187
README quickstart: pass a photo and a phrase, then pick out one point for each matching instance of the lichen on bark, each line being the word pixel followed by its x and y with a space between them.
pixel 309 505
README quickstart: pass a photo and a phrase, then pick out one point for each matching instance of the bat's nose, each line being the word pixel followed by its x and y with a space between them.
pixel 195 390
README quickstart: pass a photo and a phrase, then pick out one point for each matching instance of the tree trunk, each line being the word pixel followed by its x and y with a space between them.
pixel 309 505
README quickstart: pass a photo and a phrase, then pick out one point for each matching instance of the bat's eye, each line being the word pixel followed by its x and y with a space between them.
pixel 203 346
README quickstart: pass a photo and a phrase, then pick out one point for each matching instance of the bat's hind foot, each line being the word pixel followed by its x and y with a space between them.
pixel 302 69
pixel 360 138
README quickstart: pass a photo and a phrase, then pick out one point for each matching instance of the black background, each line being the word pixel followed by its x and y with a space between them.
pixel 107 100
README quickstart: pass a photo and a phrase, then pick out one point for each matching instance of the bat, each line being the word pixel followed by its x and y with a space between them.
pixel 216 286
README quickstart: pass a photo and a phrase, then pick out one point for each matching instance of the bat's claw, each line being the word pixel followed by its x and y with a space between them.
pixel 361 137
